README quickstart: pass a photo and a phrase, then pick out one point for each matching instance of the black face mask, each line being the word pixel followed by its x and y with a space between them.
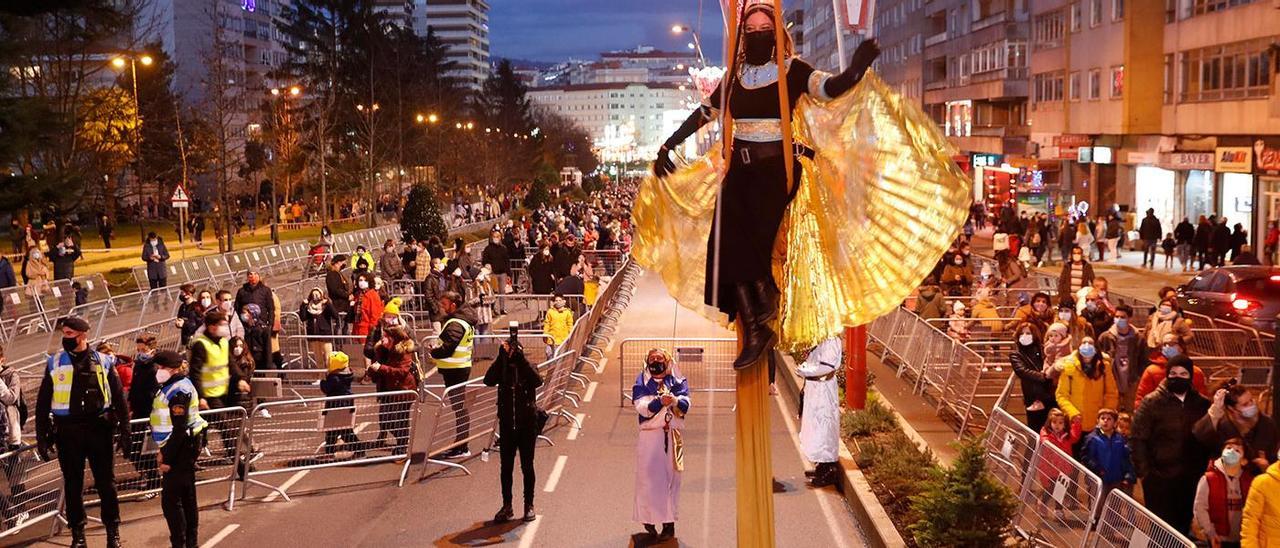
pixel 1178 385
pixel 759 47
pixel 657 367
pixel 70 343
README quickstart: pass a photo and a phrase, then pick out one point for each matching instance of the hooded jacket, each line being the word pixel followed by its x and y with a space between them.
pixel 1108 456
pixel 517 381
pixel 1162 442
pixel 1081 395
pixel 1260 528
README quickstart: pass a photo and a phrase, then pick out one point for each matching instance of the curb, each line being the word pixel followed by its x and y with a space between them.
pixel 872 517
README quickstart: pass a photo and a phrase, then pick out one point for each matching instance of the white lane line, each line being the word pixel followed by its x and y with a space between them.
pixel 296 477
pixel 574 430
pixel 823 497
pixel 224 533
pixel 526 540
pixel 554 477
pixel 591 392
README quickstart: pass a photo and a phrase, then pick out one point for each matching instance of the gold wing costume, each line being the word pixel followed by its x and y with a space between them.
pixel 877 205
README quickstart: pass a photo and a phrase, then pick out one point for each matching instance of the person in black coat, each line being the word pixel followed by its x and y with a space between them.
pixel 1150 233
pixel 155 254
pixel 256 292
pixel 7 277
pixel 142 393
pixel 1201 242
pixel 1239 238
pixel 1028 364
pixel 1220 242
pixel 339 289
pixel 1184 236
pixel 64 259
pixel 1166 454
pixel 518 424
pixel 542 272
pixel 565 256
pixel 190 313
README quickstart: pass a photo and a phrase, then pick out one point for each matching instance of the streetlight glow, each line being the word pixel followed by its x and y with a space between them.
pixel 433 118
pixel 420 118
pixel 118 62
pixel 295 90
pixel 275 91
pixel 470 125
pixel 677 29
pixel 458 125
pixel 360 107
pixel 145 60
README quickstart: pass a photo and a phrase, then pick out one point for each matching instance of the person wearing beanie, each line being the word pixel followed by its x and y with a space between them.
pixel 390 318
pixel 176 426
pixel 338 383
pixel 319 319
pixel 1167 456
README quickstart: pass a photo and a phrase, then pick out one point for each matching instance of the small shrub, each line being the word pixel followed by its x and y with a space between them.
pixel 874 419
pixel 963 507
pixel 897 470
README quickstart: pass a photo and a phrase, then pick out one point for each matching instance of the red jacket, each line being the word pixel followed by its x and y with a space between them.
pixel 1155 374
pixel 1053 465
pixel 1218 505
pixel 368 312
pixel 395 373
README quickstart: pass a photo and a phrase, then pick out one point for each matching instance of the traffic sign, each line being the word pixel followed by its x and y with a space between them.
pixel 180 199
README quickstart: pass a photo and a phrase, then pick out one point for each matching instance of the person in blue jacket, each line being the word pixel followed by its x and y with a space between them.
pixel 1106 453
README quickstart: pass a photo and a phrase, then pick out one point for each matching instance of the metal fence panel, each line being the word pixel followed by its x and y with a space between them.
pixel 1059 499
pixel 465 413
pixel 31 490
pixel 1125 523
pixel 1010 446
pixel 706 363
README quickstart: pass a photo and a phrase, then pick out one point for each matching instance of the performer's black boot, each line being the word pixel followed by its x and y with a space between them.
pixel 653 531
pixel 767 296
pixel 77 537
pixel 827 473
pixel 756 336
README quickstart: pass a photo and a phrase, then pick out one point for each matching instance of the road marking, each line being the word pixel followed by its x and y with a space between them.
pixel 224 533
pixel 591 389
pixel 296 477
pixel 827 511
pixel 526 540
pixel 554 477
pixel 573 430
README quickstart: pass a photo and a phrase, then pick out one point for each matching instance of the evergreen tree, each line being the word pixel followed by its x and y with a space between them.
pixel 421 218
pixel 540 191
pixel 964 507
pixel 158 157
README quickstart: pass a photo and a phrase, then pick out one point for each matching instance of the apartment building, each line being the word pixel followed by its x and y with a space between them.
pixel 463 26
pixel 627 121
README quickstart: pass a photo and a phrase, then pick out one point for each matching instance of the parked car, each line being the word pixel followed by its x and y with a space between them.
pixel 1247 295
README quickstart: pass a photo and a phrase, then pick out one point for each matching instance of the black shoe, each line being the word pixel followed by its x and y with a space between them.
pixel 812 473
pixel 77 538
pixel 504 515
pixel 668 531
pixel 113 536
pixel 757 336
pixel 827 474
pixel 529 514
pixel 653 531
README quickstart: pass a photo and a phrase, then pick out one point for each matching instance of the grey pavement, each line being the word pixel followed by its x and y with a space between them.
pixel 585 483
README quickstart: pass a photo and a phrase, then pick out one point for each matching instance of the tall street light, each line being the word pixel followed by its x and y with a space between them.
pixel 119 63
pixel 697 43
pixel 430 120
pixel 280 117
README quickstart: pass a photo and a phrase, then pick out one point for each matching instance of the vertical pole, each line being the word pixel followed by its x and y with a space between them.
pixel 182 228
pixel 855 374
pixel 839 30
pixel 754 462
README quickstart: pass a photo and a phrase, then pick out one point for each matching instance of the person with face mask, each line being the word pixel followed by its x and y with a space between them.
pixel 1128 353
pixel 1096 313
pixel 255 291
pixel 518 422
pixel 1157 370
pixel 1221 495
pixel 1077 326
pixel 498 258
pixel 361 256
pixel 1168 458
pixel 661 397
pixel 1235 414
pixel 453 358
pixel 1167 320
pixel 209 366
pixel 1028 361
pixel 368 308
pixel 176 426
pixel 558 323
pixel 190 313
pixel 156 255
pixel 64 259
pixel 957 277
pixel 81 403
pixel 1087 384
pixel 318 320
pixel 1076 273
pixel 389 264
pixel 542 271
pixel 390 318
pixel 339 290
pixel 36 272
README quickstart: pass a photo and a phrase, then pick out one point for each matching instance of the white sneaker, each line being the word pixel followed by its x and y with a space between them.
pixel 264 413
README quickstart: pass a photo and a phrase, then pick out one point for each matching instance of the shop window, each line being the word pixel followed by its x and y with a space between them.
pixel 1224 72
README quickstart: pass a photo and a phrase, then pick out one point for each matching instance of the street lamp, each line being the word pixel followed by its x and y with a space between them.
pixel 697 42
pixel 132 60
pixel 430 119
pixel 287 93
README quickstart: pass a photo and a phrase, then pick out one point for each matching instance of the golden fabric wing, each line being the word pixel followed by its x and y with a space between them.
pixel 876 207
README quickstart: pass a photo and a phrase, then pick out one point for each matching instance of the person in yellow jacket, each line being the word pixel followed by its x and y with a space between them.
pixel 1261 525
pixel 1087 384
pixel 984 308
pixel 558 323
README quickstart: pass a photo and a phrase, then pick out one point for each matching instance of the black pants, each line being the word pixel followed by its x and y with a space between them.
pixel 348 437
pixel 77 442
pixel 229 437
pixel 393 418
pixel 1149 250
pixel 181 511
pixel 1172 499
pixel 157 283
pixel 457 400
pixel 523 442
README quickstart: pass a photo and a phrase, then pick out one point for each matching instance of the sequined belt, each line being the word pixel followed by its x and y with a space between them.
pixel 759 130
pixel 745 152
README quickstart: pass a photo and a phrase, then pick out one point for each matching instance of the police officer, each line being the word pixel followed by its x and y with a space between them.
pixel 209 359
pixel 176 427
pixel 80 405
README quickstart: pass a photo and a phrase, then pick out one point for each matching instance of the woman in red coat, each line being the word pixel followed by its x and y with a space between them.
pixel 392 371
pixel 368 306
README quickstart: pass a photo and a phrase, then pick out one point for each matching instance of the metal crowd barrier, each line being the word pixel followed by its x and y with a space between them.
pixel 1059 499
pixel 466 413
pixel 706 363
pixel 31 491
pixel 307 434
pixel 1126 523
pixel 554 391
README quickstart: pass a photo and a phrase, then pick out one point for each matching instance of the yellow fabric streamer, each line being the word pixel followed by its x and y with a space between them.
pixel 877 206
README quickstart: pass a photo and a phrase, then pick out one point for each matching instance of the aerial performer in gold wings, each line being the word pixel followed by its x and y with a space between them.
pixel 827 200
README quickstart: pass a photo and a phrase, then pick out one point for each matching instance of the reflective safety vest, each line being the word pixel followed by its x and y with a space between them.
pixel 162 423
pixel 62 372
pixel 368 258
pixel 215 376
pixel 462 354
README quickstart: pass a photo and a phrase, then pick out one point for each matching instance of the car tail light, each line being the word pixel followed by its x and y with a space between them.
pixel 1245 305
pixel 1276 278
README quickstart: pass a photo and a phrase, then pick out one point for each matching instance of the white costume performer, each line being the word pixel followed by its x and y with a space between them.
pixel 659 450
pixel 820 419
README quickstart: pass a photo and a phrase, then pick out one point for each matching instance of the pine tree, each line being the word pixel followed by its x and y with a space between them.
pixel 540 191
pixel 964 507
pixel 421 218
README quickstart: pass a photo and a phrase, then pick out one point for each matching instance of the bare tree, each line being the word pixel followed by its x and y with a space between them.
pixel 223 87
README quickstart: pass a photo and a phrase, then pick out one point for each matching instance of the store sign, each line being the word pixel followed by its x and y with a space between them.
pixel 1069 145
pixel 1142 158
pixel 985 160
pixel 1267 157
pixel 1187 160
pixel 1233 160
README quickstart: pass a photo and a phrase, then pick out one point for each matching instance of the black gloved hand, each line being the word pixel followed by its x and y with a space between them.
pixel 866 54
pixel 43 448
pixel 663 165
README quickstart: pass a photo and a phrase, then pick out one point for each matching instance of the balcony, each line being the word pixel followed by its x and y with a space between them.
pixel 988 21
pixel 936 39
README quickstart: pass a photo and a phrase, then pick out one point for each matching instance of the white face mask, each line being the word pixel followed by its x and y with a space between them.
pixel 1026 339
pixel 1065 315
pixel 222 331
pixel 1249 412
pixel 238 350
pixel 163 375
pixel 206 302
pixel 155 242
pixel 362 284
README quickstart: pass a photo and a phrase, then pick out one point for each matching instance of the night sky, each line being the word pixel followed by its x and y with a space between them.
pixel 554 30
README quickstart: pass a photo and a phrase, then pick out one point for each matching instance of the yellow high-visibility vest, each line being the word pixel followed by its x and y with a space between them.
pixel 61 371
pixel 162 423
pixel 462 354
pixel 215 376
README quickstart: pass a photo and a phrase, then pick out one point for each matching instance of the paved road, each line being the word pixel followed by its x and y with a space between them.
pixel 584 489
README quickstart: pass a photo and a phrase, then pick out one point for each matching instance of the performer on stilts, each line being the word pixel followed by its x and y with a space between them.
pixel 827 200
